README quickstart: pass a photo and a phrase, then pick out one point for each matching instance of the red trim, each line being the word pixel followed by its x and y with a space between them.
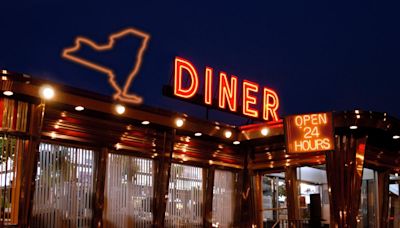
pixel 1 111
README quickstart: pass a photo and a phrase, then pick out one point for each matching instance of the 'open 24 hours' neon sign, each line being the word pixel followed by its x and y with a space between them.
pixel 186 86
pixel 309 132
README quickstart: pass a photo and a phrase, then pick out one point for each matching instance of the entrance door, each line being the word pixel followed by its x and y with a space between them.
pixel 274 204
pixel 313 193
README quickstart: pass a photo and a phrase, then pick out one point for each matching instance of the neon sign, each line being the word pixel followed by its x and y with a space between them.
pixel 121 93
pixel 309 133
pixel 187 88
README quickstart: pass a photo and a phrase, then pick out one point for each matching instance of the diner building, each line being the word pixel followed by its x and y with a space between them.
pixel 74 158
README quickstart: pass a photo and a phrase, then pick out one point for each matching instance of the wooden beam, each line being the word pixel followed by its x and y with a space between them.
pixel 161 180
pixel 100 179
pixel 29 163
pixel 208 186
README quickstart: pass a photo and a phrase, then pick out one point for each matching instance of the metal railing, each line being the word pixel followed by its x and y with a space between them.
pixel 291 223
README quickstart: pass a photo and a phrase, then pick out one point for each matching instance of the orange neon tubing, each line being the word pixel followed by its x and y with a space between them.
pixel 121 94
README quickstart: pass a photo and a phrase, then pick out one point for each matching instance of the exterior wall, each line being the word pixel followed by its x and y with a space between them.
pixel 106 134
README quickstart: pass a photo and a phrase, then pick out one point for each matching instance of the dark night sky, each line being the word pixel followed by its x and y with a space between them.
pixel 318 56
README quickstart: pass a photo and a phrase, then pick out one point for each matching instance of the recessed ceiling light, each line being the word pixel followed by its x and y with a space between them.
pixel 228 134
pixel 145 122
pixel 198 134
pixel 396 136
pixel 264 131
pixel 179 122
pixel 8 93
pixel 353 127
pixel 47 92
pixel 236 142
pixel 120 109
pixel 79 108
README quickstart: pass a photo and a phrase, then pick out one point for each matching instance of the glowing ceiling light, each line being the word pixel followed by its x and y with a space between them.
pixel 396 136
pixel 353 127
pixel 8 93
pixel 179 122
pixel 236 142
pixel 198 134
pixel 79 108
pixel 264 131
pixel 4 78
pixel 228 134
pixel 47 92
pixel 120 109
pixel 145 122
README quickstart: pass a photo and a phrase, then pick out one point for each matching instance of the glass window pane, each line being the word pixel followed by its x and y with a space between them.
pixel 223 198
pixel 10 175
pixel 274 198
pixel 129 191
pixel 185 197
pixel 64 187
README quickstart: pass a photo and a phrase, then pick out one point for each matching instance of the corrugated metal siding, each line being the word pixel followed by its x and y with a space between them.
pixel 223 198
pixel 129 191
pixel 185 197
pixel 13 115
pixel 64 187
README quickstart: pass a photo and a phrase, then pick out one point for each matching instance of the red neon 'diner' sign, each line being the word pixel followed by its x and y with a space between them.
pixel 227 91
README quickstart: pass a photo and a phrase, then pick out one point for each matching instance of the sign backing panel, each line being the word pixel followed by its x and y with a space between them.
pixel 307 133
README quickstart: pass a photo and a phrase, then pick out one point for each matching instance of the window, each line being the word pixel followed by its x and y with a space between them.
pixel 64 187
pixel 185 197
pixel 10 177
pixel 223 198
pixel 129 192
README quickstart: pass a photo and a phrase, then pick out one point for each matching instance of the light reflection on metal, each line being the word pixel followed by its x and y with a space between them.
pixel 345 181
